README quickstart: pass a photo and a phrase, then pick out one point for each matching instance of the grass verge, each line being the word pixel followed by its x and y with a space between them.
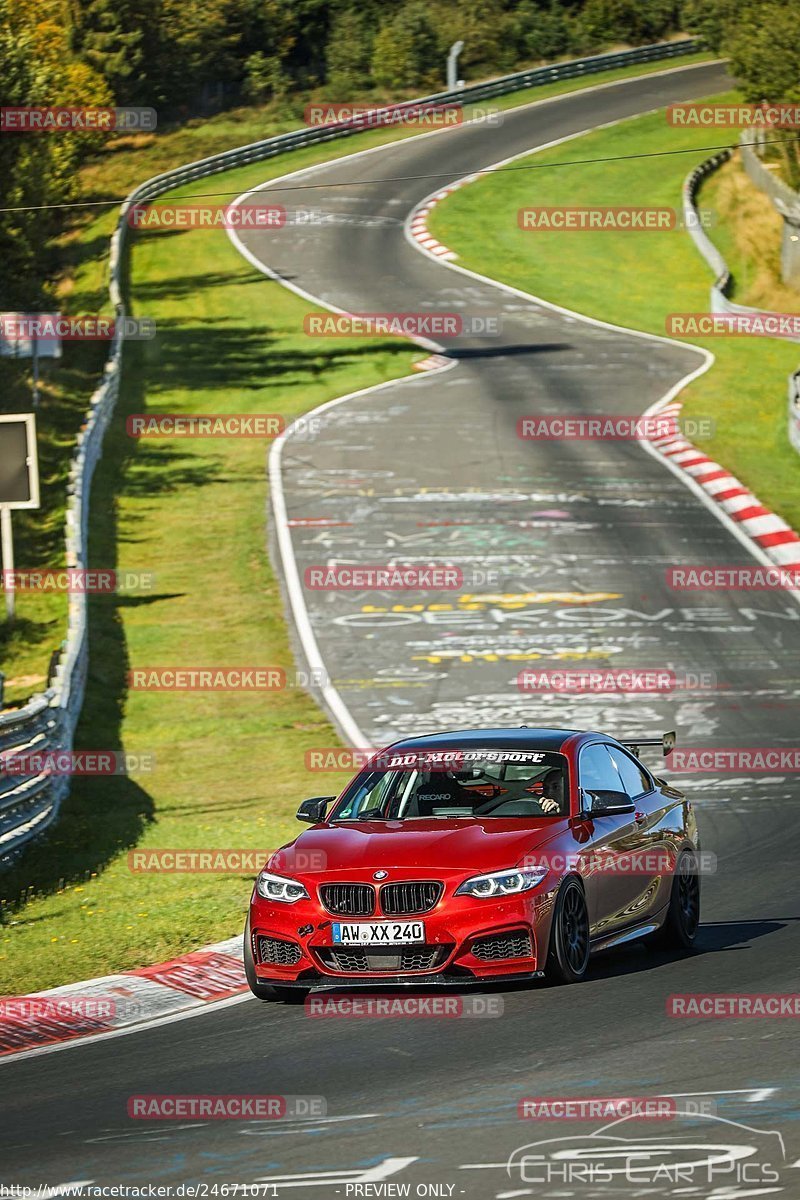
pixel 654 274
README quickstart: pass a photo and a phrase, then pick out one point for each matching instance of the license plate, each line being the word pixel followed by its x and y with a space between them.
pixel 378 933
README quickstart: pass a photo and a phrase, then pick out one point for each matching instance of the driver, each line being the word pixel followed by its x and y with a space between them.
pixel 552 791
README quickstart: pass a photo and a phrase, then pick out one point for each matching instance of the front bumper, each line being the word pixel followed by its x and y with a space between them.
pixel 467 941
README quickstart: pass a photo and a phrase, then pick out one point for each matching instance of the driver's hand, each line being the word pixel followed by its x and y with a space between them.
pixel 549 805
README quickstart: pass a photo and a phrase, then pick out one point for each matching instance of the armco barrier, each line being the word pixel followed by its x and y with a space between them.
pixel 691 218
pixel 28 806
pixel 794 410
pixel 785 200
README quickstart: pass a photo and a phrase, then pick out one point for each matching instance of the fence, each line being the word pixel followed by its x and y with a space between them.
pixel 29 804
pixel 794 410
pixel 785 200
pixel 719 288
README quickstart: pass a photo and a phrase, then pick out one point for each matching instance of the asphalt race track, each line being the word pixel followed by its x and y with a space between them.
pixel 428 470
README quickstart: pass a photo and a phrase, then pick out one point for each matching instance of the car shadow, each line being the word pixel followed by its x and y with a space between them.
pixel 712 937
pixel 633 958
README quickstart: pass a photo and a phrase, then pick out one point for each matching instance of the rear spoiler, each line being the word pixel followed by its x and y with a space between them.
pixel 666 742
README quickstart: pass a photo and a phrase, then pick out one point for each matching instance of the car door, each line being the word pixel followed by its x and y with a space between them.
pixel 614 894
pixel 654 838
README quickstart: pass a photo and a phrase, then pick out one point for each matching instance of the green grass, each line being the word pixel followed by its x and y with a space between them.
pixel 229 766
pixel 635 279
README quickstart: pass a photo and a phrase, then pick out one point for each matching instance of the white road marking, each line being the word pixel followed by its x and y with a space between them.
pixel 753 1095
pixel 382 1170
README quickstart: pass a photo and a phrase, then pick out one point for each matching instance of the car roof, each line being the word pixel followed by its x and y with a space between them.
pixel 524 737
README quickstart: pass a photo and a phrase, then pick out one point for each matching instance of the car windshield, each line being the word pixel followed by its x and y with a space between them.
pixel 431 784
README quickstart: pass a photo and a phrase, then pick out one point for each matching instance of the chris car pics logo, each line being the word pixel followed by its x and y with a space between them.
pixel 700 1152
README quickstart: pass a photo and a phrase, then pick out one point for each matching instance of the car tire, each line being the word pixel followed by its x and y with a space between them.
pixel 683 912
pixel 568 956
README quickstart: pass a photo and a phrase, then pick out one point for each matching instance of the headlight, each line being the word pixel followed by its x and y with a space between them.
pixel 502 883
pixel 278 887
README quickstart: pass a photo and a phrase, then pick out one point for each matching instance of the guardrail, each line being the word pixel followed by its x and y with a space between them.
pixel 28 805
pixel 763 178
pixel 693 222
pixel 785 200
pixel 794 409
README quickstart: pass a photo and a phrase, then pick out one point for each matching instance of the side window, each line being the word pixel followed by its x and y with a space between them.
pixel 635 779
pixel 597 771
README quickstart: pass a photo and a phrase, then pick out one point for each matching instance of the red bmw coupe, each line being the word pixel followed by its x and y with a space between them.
pixel 474 857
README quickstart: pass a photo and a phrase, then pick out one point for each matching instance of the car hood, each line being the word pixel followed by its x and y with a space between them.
pixel 431 845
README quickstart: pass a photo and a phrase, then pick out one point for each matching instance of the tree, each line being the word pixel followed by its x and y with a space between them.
pixel 765 58
pixel 407 53
pixel 349 51
pixel 633 21
pixel 541 30
pixel 709 20
pixel 764 50
pixel 264 78
pixel 108 36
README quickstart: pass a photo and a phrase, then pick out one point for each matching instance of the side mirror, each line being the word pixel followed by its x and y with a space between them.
pixel 609 803
pixel 313 811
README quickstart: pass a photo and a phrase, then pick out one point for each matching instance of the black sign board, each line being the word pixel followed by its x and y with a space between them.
pixel 19 472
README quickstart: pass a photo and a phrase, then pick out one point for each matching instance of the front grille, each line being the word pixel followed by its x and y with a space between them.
pixel 503 945
pixel 349 899
pixel 357 960
pixel 277 952
pixel 402 899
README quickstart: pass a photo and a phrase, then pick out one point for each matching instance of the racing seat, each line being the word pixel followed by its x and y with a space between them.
pixel 442 793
